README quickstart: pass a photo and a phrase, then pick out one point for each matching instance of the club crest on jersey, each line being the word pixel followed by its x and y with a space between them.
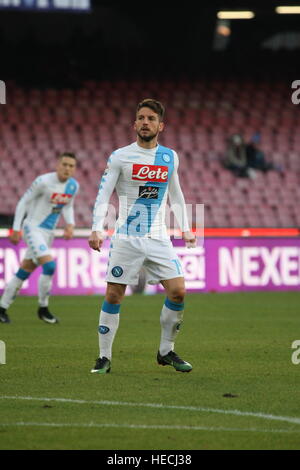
pixel 58 198
pixel 151 173
pixel 166 158
pixel 148 192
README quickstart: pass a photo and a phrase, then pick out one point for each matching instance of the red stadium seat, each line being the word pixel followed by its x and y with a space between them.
pixel 92 122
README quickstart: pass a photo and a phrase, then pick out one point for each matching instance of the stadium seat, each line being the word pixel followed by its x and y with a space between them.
pixel 91 121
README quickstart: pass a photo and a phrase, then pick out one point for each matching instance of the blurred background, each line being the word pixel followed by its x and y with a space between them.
pixel 74 75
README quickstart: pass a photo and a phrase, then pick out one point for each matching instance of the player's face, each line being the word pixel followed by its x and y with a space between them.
pixel 147 124
pixel 65 168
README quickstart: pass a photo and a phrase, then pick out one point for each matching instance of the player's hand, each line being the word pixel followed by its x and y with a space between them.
pixel 95 240
pixel 15 237
pixel 68 232
pixel 190 239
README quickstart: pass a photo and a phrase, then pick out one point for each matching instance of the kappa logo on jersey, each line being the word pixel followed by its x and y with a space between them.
pixel 155 173
pixel 148 192
pixel 58 198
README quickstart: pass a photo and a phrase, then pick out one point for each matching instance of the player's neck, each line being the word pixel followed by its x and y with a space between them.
pixel 147 145
pixel 61 179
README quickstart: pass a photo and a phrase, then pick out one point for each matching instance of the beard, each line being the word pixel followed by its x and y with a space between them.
pixel 147 138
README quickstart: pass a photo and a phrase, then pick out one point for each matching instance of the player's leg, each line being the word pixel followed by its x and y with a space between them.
pixel 172 313
pixel 39 242
pixel 162 265
pixel 110 317
pixel 108 325
pixel 13 286
pixel 44 288
pixel 171 318
pixel 125 260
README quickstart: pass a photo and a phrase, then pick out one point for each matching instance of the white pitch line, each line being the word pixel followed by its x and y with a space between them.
pixel 288 419
pixel 147 426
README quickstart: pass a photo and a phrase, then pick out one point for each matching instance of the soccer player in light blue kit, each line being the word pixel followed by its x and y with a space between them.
pixel 37 214
pixel 144 175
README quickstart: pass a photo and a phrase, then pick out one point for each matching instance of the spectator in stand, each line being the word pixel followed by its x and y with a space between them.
pixel 236 156
pixel 256 157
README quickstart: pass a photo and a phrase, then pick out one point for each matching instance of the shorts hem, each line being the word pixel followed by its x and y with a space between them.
pixel 126 283
pixel 157 281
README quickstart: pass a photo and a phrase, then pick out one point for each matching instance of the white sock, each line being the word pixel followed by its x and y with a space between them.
pixel 170 321
pixel 108 325
pixel 10 292
pixel 44 287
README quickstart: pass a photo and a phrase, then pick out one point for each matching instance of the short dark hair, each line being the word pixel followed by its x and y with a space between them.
pixel 67 154
pixel 155 105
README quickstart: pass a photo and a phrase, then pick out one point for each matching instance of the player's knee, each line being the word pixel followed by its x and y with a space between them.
pixel 177 295
pixel 28 265
pixel 115 293
pixel 113 298
pixel 49 268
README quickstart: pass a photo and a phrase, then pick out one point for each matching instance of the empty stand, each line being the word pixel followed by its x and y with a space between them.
pixel 93 121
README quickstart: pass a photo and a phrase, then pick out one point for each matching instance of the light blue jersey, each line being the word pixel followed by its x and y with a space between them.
pixel 45 200
pixel 143 179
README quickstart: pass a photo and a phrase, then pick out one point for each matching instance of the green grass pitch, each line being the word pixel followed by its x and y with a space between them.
pixel 243 392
